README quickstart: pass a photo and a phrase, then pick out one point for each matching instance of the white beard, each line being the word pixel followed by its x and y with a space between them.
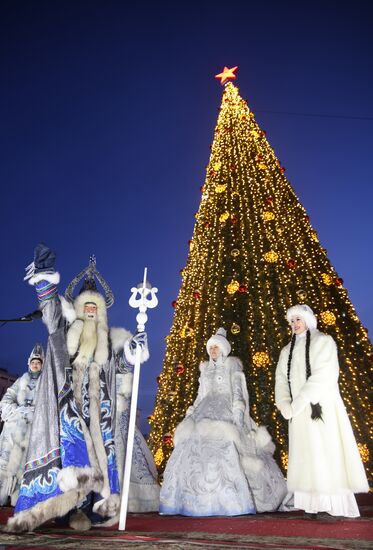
pixel 87 342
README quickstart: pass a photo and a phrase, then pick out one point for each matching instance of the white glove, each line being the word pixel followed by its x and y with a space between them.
pixel 286 410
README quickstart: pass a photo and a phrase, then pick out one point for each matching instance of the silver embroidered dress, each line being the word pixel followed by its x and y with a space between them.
pixel 222 462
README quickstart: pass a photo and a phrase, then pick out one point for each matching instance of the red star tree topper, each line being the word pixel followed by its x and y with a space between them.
pixel 227 74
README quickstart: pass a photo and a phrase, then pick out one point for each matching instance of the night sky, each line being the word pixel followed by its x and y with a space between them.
pixel 107 114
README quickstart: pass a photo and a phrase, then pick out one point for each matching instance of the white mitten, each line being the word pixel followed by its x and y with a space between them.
pixel 286 410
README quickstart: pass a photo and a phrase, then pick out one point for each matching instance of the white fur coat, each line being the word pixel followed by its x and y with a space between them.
pixel 323 455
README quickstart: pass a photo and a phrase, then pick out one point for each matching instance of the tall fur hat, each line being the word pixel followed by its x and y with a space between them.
pixel 37 353
pixel 219 339
pixel 94 297
pixel 303 311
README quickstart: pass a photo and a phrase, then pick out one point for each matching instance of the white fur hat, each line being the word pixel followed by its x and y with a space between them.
pixel 219 339
pixel 305 312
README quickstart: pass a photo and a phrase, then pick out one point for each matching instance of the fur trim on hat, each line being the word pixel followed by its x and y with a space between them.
pixel 305 312
pixel 96 298
pixel 219 339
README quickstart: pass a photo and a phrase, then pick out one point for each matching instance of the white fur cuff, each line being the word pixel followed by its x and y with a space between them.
pixel 53 278
pixel 130 355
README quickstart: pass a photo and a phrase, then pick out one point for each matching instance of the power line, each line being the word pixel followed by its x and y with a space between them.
pixel 314 115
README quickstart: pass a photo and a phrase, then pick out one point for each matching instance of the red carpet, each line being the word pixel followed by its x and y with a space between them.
pixel 263 531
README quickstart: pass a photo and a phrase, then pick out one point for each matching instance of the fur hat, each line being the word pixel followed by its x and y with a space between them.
pixel 305 312
pixel 94 297
pixel 37 353
pixel 219 339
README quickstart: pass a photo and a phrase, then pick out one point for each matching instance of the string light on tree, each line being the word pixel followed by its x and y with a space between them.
pixel 259 239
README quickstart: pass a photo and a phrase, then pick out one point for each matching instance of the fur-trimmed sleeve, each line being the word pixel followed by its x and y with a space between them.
pixel 282 391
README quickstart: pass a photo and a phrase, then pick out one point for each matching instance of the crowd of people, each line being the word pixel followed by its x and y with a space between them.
pixel 63 444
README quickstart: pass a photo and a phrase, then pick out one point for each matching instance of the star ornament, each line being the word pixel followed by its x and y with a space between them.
pixel 227 74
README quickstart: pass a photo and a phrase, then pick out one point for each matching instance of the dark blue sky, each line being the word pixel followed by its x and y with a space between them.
pixel 107 113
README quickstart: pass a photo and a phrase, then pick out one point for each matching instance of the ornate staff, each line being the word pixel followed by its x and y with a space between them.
pixel 146 299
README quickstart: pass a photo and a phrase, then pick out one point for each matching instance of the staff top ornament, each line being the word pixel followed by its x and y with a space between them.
pixel 227 74
pixel 143 297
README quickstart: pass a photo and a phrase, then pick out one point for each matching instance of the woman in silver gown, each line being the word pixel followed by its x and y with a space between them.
pixel 222 462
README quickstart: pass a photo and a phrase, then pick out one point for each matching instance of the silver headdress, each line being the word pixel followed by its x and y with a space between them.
pixel 37 353
pixel 90 274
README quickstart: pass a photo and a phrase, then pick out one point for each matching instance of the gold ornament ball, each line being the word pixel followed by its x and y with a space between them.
pixel 158 457
pixel 186 332
pixel 235 252
pixel 268 216
pixel 233 287
pixel 220 188
pixel 271 256
pixel 235 328
pixel 326 279
pixel 223 217
pixel 301 294
pixel 328 317
pixel 261 359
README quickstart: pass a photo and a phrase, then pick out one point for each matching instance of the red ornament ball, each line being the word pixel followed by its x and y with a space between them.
pixel 202 188
pixel 174 303
pixel 207 225
pixel 307 218
pixel 269 200
pixel 291 263
pixel 180 369
pixel 339 281
pixel 196 295
pixel 234 219
pixel 232 167
pixel 158 379
pixel 167 439
pixel 242 289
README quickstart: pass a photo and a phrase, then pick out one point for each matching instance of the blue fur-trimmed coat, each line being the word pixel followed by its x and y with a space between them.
pixel 71 451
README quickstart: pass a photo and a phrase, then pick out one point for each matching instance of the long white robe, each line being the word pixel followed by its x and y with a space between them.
pixel 324 467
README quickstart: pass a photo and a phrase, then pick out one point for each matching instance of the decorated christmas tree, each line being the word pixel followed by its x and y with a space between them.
pixel 254 253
